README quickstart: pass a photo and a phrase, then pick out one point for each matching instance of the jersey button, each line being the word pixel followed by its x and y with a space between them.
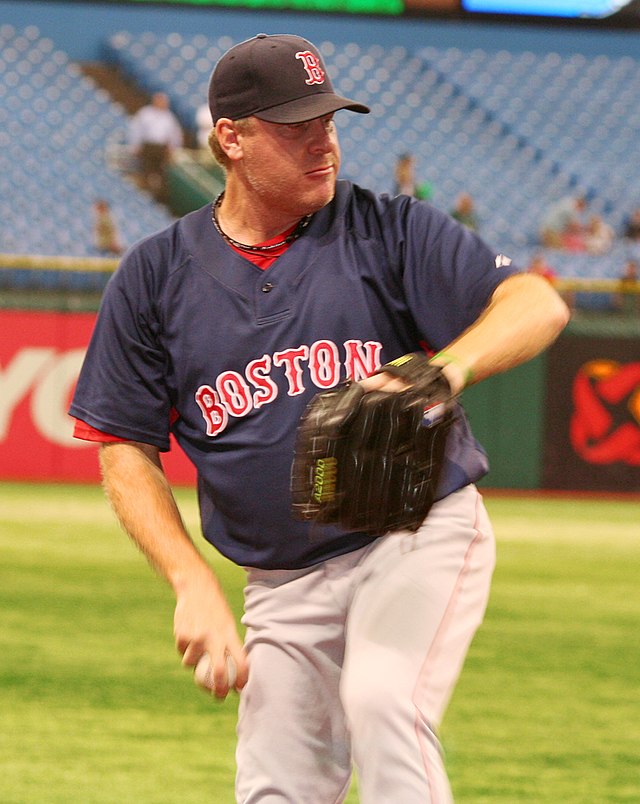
pixel 267 287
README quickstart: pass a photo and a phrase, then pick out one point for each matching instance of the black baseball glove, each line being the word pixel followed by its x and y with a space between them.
pixel 371 461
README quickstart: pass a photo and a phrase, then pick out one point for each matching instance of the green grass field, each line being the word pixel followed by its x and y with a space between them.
pixel 95 706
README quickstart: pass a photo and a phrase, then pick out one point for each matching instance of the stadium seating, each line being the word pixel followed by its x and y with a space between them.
pixel 515 130
pixel 55 130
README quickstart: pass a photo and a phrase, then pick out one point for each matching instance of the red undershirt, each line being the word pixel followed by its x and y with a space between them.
pixel 262 260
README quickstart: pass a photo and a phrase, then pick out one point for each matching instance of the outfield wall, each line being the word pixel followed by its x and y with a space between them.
pixel 570 419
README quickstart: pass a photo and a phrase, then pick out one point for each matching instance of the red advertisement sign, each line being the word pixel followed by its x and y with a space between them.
pixel 592 414
pixel 40 357
pixel 605 426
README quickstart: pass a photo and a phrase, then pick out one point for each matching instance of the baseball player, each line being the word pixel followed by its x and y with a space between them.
pixel 220 329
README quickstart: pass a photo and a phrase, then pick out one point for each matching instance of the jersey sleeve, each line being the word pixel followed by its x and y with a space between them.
pixel 122 386
pixel 449 273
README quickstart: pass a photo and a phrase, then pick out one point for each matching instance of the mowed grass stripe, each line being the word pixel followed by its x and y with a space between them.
pixel 96 707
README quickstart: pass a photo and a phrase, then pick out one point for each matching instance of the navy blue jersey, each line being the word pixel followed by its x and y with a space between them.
pixel 187 324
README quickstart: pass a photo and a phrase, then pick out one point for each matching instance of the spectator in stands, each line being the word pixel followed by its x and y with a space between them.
pixel 573 237
pixel 539 265
pixel 598 236
pixel 464 211
pixel 563 223
pixel 632 225
pixel 627 299
pixel 154 134
pixel 405 182
pixel 106 237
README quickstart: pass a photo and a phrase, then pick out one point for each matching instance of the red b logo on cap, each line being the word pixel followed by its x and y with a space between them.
pixel 311 64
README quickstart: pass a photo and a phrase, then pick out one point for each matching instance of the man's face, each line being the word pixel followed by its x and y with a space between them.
pixel 293 167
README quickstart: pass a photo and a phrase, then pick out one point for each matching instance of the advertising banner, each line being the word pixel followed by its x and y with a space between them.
pixel 40 357
pixel 592 415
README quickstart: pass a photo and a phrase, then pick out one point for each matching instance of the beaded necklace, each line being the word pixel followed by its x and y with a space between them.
pixel 302 225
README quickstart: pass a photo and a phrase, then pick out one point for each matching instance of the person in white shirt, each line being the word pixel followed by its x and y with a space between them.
pixel 204 125
pixel 154 134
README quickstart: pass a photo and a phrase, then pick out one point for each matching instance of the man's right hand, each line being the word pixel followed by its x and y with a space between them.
pixel 204 623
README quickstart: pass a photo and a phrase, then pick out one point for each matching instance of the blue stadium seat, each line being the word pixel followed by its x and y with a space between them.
pixel 55 125
pixel 517 130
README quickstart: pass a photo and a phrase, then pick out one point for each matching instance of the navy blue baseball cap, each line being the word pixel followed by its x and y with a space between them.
pixel 279 78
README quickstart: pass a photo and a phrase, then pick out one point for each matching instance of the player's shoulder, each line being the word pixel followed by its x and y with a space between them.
pixel 351 194
pixel 167 248
pixel 148 264
pixel 368 211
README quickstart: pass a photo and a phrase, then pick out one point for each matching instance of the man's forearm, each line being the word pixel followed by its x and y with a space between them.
pixel 524 317
pixel 144 503
pixel 145 506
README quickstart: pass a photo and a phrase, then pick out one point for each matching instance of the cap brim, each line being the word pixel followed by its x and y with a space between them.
pixel 310 107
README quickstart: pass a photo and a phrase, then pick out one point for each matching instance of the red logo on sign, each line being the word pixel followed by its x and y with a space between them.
pixel 605 426
pixel 312 65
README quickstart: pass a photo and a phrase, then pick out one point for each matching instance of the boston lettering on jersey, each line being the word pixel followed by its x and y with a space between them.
pixel 235 394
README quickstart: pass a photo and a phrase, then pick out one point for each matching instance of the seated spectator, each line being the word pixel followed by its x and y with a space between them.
pixel 598 236
pixel 632 225
pixel 539 265
pixel 572 238
pixel 563 224
pixel 106 238
pixel 405 182
pixel 404 175
pixel 464 211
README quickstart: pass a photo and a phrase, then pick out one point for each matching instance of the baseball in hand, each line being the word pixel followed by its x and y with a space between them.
pixel 203 673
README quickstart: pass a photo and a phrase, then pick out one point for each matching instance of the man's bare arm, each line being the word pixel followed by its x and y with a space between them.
pixel 525 315
pixel 144 503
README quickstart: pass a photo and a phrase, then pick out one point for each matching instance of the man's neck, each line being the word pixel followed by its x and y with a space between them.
pixel 275 245
pixel 249 221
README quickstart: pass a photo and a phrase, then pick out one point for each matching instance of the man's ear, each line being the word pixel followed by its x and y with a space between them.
pixel 227 135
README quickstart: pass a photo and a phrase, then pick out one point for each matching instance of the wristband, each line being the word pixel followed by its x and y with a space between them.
pixel 467 373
